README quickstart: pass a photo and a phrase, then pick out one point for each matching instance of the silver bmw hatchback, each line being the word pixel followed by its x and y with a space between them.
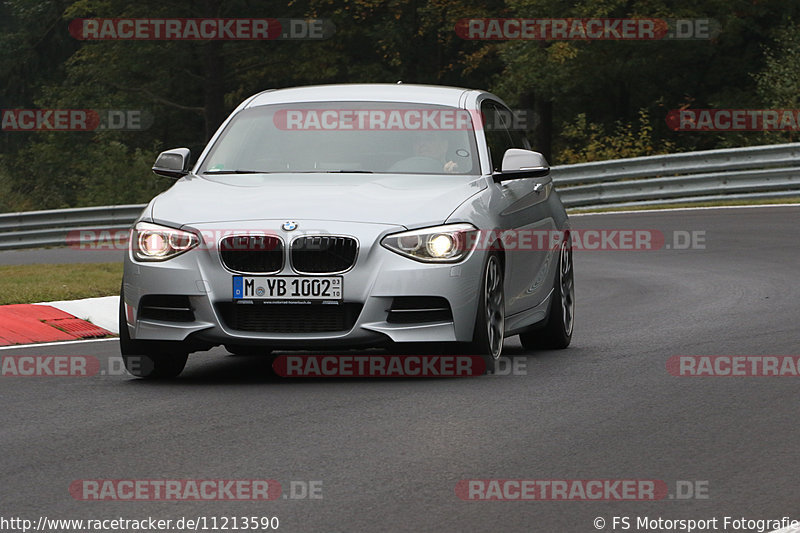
pixel 350 216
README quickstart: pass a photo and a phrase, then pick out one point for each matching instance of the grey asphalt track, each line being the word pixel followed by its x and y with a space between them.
pixel 390 452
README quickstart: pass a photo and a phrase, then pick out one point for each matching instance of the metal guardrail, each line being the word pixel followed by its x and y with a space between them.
pixel 758 172
pixel 34 229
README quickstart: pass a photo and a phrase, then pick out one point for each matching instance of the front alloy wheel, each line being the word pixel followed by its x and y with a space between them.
pixel 557 332
pixel 487 339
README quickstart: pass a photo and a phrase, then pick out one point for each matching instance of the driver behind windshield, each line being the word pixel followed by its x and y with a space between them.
pixel 435 148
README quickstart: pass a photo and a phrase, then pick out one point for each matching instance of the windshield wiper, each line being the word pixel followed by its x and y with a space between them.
pixel 343 171
pixel 238 171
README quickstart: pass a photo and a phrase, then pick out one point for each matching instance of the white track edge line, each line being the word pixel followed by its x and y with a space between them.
pixel 57 343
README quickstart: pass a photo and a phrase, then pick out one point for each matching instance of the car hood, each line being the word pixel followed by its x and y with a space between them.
pixel 398 199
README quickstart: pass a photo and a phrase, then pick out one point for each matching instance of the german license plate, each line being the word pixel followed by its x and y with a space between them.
pixel 287 288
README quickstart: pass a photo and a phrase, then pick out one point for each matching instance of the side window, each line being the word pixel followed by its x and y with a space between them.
pixel 517 131
pixel 503 131
pixel 498 137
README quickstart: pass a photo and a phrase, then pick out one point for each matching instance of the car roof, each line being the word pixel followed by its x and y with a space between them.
pixel 367 92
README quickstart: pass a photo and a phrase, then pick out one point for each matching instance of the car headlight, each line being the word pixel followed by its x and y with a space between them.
pixel 151 242
pixel 441 244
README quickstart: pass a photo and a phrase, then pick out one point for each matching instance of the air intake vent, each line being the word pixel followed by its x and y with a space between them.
pixel 269 317
pixel 323 254
pixel 419 309
pixel 166 308
pixel 257 254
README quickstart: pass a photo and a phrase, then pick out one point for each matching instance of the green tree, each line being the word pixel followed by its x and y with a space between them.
pixel 610 81
pixel 593 99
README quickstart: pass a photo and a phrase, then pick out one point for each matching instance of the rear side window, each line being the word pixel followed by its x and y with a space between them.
pixel 501 132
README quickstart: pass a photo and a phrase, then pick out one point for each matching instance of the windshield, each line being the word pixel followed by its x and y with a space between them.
pixel 369 137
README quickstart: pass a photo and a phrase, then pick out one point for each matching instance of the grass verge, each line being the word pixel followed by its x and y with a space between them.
pixel 23 284
pixel 20 284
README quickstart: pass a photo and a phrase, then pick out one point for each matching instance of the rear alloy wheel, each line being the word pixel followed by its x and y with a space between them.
pixel 149 359
pixel 487 339
pixel 557 332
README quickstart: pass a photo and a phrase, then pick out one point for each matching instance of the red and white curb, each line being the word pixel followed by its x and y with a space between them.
pixel 90 318
pixel 102 312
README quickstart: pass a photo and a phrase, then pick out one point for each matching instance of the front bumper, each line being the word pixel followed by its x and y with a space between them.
pixel 378 276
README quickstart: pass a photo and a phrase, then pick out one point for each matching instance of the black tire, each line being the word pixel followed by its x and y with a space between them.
pixel 149 359
pixel 556 333
pixel 487 338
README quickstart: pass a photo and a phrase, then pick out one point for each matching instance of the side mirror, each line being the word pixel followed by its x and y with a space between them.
pixel 173 163
pixel 519 163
